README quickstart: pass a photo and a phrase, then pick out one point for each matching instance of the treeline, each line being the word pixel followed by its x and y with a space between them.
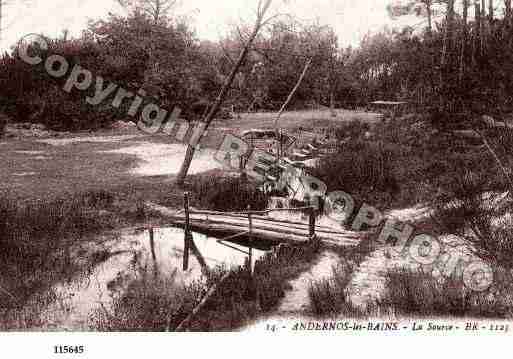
pixel 173 67
pixel 164 60
pixel 459 60
pixel 460 63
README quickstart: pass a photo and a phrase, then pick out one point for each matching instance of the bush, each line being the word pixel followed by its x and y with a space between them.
pixel 364 169
pixel 474 201
pixel 226 194
pixel 419 293
pixel 150 304
pixel 352 130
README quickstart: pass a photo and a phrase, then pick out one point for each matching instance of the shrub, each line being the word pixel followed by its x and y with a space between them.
pixel 419 293
pixel 364 169
pixel 470 202
pixel 353 130
pixel 227 194
pixel 149 304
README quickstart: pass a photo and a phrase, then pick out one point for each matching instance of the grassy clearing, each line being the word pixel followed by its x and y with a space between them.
pixel 80 167
pixel 36 237
pixel 159 305
pixel 295 119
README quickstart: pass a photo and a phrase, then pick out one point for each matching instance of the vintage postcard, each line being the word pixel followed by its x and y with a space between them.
pixel 257 166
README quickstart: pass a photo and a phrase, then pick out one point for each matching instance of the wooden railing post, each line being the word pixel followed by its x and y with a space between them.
pixel 250 240
pixel 187 234
pixel 152 248
pixel 311 224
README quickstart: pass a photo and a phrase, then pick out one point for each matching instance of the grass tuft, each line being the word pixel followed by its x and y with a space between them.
pixel 418 293
pixel 328 296
pixel 37 238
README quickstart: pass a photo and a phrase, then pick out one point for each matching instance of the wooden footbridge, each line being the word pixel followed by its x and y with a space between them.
pixel 255 225
pixel 250 226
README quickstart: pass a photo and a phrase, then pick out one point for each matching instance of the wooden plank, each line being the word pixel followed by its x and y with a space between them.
pixel 223 229
pixel 242 227
pixel 280 224
pixel 303 230
pixel 274 220
pixel 264 228
pixel 240 218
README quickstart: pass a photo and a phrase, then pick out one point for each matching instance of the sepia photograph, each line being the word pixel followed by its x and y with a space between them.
pixel 256 166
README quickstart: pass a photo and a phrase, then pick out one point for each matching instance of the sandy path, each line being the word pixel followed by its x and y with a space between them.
pixel 368 282
pixel 296 300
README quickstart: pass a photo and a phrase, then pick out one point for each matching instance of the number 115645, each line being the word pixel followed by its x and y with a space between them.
pixel 68 349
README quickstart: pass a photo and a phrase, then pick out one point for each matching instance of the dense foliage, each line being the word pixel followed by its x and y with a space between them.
pixel 460 62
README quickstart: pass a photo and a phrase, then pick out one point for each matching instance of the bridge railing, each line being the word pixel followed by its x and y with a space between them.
pixel 249 233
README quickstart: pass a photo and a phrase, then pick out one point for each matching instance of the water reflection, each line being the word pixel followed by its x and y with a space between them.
pixel 121 262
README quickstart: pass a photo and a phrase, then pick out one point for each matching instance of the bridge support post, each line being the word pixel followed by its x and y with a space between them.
pixel 151 231
pixel 187 234
pixel 250 240
pixel 311 224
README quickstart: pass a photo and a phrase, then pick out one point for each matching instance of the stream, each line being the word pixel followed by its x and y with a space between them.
pixel 119 263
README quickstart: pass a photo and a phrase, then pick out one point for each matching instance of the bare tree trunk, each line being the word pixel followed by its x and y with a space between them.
pixel 476 47
pixel 483 27
pixel 509 21
pixel 429 11
pixel 286 103
pixel 444 61
pixel 464 40
pixel 224 91
pixel 156 14
pixel 490 11
pixel 332 86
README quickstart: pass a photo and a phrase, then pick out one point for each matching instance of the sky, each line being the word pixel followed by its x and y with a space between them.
pixel 351 19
